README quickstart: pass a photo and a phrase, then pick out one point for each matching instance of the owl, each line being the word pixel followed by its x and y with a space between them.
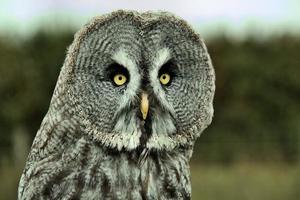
pixel 134 93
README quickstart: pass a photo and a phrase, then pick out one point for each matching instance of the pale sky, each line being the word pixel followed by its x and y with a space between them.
pixel 236 17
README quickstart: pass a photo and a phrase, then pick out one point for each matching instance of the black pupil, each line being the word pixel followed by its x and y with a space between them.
pixel 120 78
pixel 164 77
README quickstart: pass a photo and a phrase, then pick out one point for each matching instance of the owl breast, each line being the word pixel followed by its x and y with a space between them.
pixel 87 171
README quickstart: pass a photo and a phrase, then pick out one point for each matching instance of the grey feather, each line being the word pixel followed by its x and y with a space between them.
pixel 93 144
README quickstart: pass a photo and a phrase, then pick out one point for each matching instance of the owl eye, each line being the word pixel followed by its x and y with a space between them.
pixel 167 73
pixel 118 74
pixel 120 79
pixel 164 78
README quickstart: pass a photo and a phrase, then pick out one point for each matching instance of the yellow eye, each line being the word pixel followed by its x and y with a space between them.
pixel 120 79
pixel 165 78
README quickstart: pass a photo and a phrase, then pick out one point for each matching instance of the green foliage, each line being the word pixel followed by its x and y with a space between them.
pixel 256 103
pixel 29 70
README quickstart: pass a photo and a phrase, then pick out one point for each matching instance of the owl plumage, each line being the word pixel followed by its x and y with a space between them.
pixel 133 95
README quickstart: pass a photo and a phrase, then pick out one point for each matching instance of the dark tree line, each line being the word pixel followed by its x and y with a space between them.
pixel 257 102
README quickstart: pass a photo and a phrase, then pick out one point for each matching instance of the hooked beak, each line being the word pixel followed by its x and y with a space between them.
pixel 144 105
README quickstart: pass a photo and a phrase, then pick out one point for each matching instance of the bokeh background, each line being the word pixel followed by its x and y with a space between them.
pixel 251 150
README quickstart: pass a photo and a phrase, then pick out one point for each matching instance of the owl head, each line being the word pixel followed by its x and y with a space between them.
pixel 138 80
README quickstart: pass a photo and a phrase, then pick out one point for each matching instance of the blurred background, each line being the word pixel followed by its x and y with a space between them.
pixel 251 150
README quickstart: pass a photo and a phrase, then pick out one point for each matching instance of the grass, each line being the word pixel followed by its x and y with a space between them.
pixel 246 181
pixel 241 181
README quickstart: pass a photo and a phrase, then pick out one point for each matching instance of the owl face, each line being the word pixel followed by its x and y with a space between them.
pixel 140 80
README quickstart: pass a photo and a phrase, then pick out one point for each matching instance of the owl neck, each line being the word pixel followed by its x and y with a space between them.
pixel 92 169
pixel 160 175
pixel 86 166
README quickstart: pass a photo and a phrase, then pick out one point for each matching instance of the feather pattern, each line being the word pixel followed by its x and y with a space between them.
pixel 93 142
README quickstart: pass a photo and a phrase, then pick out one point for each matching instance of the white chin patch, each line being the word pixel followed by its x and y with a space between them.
pixel 127 131
pixel 128 141
pixel 163 130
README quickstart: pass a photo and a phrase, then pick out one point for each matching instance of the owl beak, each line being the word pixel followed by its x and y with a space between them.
pixel 144 105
